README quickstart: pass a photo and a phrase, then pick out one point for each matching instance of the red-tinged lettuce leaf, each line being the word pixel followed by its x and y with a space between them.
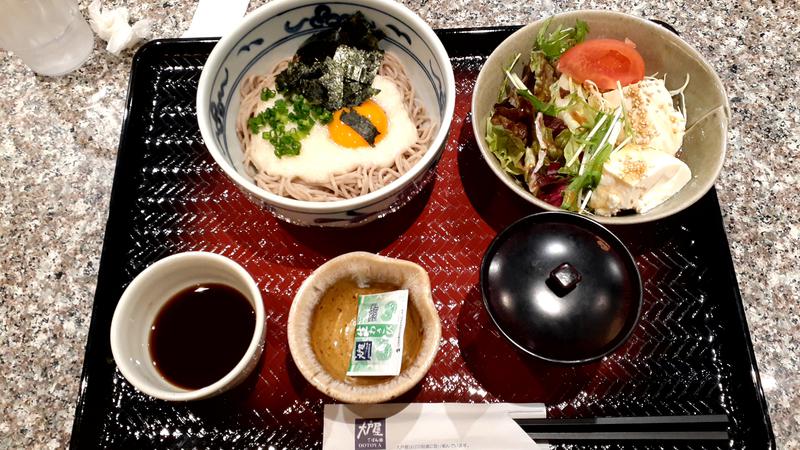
pixel 555 124
pixel 516 114
pixel 553 194
pixel 547 181
pixel 518 129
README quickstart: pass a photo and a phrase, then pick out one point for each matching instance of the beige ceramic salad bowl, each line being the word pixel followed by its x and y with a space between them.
pixel 708 112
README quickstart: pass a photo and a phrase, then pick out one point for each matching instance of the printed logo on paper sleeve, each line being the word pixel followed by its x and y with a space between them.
pixel 363 351
pixel 370 434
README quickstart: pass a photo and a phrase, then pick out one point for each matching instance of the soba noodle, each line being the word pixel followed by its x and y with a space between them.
pixel 360 181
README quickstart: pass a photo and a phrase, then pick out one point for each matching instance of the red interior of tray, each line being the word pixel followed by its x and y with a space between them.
pixel 689 354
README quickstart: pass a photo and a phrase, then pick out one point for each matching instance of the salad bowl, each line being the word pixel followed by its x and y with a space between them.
pixel 706 103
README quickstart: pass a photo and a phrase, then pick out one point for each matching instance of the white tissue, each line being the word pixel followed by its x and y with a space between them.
pixel 112 26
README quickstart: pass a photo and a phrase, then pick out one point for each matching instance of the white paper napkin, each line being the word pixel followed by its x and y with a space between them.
pixel 112 26
pixel 214 18
pixel 436 426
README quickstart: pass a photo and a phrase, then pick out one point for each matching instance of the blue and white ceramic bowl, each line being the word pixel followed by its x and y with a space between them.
pixel 274 32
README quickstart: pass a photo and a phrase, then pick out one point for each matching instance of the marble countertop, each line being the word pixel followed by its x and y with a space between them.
pixel 58 146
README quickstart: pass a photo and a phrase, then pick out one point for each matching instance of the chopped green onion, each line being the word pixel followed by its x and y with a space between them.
pixel 267 94
pixel 287 122
pixel 322 115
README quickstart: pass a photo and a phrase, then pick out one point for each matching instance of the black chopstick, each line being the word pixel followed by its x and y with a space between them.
pixel 689 427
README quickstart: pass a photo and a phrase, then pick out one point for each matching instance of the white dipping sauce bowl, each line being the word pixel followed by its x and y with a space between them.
pixel 144 298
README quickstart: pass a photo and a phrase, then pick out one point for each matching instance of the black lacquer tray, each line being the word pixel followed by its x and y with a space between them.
pixel 690 353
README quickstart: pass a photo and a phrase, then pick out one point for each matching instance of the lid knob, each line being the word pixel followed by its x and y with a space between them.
pixel 563 279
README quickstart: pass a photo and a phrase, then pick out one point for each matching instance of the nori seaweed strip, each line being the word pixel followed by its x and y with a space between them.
pixel 339 82
pixel 360 125
pixel 355 31
pixel 335 68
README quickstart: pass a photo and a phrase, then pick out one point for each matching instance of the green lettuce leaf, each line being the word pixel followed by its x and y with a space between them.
pixel 545 75
pixel 569 152
pixel 563 138
pixel 508 149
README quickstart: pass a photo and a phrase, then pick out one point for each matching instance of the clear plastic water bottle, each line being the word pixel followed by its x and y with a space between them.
pixel 50 36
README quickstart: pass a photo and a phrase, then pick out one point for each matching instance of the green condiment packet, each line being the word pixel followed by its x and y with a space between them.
pixel 381 322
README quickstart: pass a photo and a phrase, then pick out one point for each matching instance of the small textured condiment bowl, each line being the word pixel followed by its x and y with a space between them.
pixel 708 112
pixel 363 268
pixel 561 287
pixel 272 33
pixel 144 298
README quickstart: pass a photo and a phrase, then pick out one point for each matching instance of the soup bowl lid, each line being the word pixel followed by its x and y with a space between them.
pixel 561 287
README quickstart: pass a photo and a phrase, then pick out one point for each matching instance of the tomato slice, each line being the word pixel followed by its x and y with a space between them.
pixel 604 61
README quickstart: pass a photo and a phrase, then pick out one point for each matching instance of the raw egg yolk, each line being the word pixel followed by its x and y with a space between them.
pixel 342 134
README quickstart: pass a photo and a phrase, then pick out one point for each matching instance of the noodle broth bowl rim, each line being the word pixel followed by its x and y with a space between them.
pixel 227 44
pixel 705 178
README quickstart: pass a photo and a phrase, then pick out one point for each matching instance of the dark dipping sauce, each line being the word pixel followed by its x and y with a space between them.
pixel 200 334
